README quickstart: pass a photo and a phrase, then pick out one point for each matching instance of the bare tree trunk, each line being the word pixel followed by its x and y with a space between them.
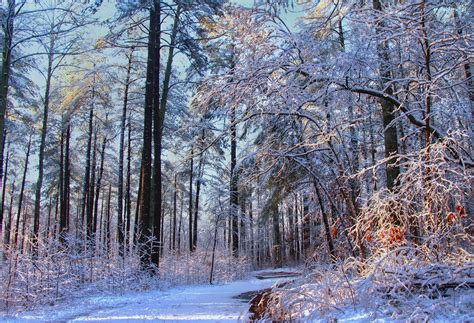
pixel 426 47
pixel 23 230
pixel 62 215
pixel 128 198
pixel 306 226
pixel 158 121
pixel 44 131
pixel 388 108
pixel 243 220
pixel 467 67
pixel 297 229
pixel 234 194
pixel 291 230
pixel 87 173
pixel 22 190
pixel 91 196
pixel 48 223
pixel 8 233
pixel 137 228
pixel 4 186
pixel 99 183
pixel 107 226
pixel 175 198
pixel 214 244
pixel 152 87
pixel 191 201
pixel 251 230
pixel 162 229
pixel 196 206
pixel 327 229
pixel 67 177
pixel 278 260
pixel 122 146
pixel 6 64
pixel 180 221
pixel 102 224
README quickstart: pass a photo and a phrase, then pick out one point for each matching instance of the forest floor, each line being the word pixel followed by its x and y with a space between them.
pixel 212 303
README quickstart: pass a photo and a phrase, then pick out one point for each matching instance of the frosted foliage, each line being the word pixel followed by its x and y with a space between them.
pixel 417 275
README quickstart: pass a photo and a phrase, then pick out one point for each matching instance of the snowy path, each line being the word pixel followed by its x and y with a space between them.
pixel 215 303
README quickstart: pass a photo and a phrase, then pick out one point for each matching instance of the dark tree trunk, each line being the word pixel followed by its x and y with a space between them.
pixel 297 229
pixel 44 131
pixel 181 209
pixel 156 194
pixel 102 234
pixel 87 173
pixel 128 198
pixel 327 229
pixel 91 196
pixel 278 260
pixel 196 206
pixel 8 233
pixel 388 108
pixel 251 230
pixel 6 64
pixel 467 66
pixel 137 228
pixel 175 207
pixel 122 148
pixel 99 183
pixel 62 213
pixel 8 222
pixel 234 194
pixel 23 230
pixel 107 227
pixel 4 186
pixel 67 179
pixel 306 226
pixel 243 215
pixel 162 229
pixel 214 244
pixel 48 223
pixel 22 191
pixel 291 230
pixel 2 152
pixel 151 92
pixel 191 170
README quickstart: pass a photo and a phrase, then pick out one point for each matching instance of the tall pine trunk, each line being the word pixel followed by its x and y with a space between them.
pixel 190 210
pixel 98 186
pixel 128 198
pixel 91 190
pixel 152 87
pixel 175 209
pixel 22 193
pixel 86 184
pixel 44 131
pixel 6 65
pixel 196 206
pixel 8 221
pixel 4 186
pixel 122 148
pixel 234 194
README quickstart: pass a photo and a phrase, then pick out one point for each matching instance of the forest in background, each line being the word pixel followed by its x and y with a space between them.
pixel 155 142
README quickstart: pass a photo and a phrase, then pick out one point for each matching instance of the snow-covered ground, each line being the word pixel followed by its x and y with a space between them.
pixel 216 303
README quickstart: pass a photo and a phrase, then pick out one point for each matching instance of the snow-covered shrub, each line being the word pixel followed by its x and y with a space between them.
pixel 67 269
pixel 431 207
pixel 420 256
pixel 195 267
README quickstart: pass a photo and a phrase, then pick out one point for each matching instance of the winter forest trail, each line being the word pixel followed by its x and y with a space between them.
pixel 209 303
